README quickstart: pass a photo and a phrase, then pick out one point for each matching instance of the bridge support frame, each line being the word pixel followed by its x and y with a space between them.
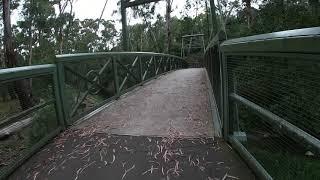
pixel 124 5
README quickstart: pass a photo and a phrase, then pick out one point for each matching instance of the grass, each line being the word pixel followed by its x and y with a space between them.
pixel 288 166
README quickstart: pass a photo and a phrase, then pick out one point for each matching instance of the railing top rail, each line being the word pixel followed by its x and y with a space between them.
pixel 293 41
pixel 26 71
pixel 83 56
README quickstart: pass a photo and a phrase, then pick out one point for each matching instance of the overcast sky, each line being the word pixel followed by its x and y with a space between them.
pixel 92 9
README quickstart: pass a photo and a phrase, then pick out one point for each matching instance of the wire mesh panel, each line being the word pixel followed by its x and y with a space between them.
pixel 28 117
pixel 212 63
pixel 277 151
pixel 270 100
pixel 289 88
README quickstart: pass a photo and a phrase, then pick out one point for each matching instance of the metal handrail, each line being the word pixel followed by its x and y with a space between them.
pixel 86 56
pixel 26 71
pixel 292 41
pixel 292 45
pixel 155 63
pixel 11 75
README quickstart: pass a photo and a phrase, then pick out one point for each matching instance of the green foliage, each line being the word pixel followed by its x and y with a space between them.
pixel 287 166
pixel 42 33
pixel 44 122
pixel 274 15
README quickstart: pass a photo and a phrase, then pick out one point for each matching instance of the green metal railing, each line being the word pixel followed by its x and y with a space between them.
pixel 38 123
pixel 270 86
pixel 267 90
pixel 91 80
pixel 64 92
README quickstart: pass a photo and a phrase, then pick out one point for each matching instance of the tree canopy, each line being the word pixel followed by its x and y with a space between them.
pixel 50 27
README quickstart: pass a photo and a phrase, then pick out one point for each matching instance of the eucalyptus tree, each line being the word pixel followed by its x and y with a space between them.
pixel 35 32
pixel 22 87
pixel 147 32
pixel 63 23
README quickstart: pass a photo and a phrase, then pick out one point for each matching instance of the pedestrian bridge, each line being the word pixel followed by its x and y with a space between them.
pixel 250 112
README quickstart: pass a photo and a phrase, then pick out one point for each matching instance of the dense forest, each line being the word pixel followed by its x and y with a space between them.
pixel 48 28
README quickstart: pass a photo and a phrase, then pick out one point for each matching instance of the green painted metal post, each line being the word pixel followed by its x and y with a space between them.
pixel 140 70
pixel 235 119
pixel 58 102
pixel 62 92
pixel 176 61
pixel 226 124
pixel 173 64
pixel 116 78
pixel 251 161
pixel 155 66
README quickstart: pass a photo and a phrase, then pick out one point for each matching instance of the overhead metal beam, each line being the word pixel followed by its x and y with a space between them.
pixel 138 2
pixel 124 5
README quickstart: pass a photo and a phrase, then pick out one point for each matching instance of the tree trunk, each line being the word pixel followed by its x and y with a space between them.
pixel 213 18
pixel 11 60
pixel 21 87
pixel 314 5
pixel 62 8
pixel 168 26
pixel 248 12
pixel 30 36
pixel 70 22
pixel 207 19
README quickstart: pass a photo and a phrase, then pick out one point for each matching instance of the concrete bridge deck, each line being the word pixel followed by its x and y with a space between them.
pixel 166 129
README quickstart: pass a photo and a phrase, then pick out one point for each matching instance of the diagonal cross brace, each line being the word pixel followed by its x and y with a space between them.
pixel 128 70
pixel 127 76
pixel 138 2
pixel 74 110
pixel 157 71
pixel 146 71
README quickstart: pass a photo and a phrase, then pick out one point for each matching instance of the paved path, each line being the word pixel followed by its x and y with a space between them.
pixel 178 101
pixel 163 130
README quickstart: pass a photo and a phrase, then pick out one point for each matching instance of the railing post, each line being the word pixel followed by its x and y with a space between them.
pixel 61 95
pixel 116 78
pixel 226 122
pixel 140 70
pixel 176 63
pixel 58 99
pixel 155 66
pixel 235 119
